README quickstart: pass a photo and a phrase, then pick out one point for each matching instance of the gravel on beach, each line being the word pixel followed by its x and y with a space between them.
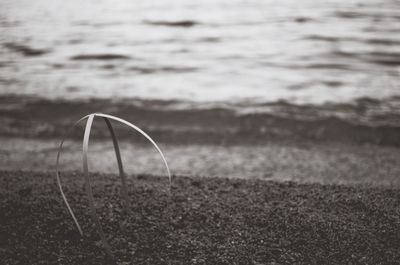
pixel 202 221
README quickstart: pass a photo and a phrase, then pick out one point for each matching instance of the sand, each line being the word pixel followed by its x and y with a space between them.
pixel 203 221
pixel 325 163
pixel 328 144
pixel 231 201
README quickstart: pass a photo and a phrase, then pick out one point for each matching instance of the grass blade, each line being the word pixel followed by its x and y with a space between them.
pixel 58 175
pixel 85 147
pixel 89 191
pixel 145 135
pixel 124 189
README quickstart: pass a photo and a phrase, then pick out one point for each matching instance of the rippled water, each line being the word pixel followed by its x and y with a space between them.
pixel 304 51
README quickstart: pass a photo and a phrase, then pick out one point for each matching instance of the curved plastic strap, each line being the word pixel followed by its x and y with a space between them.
pixel 86 167
pixel 89 187
pixel 58 176
pixel 124 191
pixel 142 133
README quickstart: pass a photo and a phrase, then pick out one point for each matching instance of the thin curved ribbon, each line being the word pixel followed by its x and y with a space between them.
pixel 145 135
pixel 58 175
pixel 85 148
pixel 124 191
pixel 89 191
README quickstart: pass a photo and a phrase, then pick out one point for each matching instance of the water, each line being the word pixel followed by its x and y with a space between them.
pixel 301 52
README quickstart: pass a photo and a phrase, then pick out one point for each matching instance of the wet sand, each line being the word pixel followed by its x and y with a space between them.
pixel 301 143
pixel 307 163
pixel 176 122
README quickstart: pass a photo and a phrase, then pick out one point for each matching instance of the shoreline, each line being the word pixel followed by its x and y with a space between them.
pixel 326 163
pixel 36 118
pixel 202 142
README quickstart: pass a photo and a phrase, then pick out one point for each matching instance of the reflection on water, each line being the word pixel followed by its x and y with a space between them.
pixel 305 51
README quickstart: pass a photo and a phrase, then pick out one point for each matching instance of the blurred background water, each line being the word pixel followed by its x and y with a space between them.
pixel 300 52
pixel 312 83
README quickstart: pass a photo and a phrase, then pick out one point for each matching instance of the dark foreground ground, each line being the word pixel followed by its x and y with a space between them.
pixel 203 221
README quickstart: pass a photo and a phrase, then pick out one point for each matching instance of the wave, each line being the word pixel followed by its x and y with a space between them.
pixel 25 50
pixel 104 57
pixel 365 121
pixel 165 69
pixel 181 23
pixel 376 57
pixel 377 16
pixel 375 41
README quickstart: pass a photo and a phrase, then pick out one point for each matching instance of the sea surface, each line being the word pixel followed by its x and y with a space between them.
pixel 308 52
